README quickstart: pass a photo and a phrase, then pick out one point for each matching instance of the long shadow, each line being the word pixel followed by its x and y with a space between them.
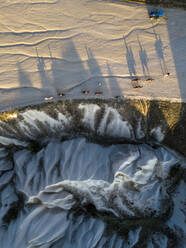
pixel 131 66
pixel 92 63
pixel 44 77
pixel 108 84
pixel 95 71
pixel 159 51
pixel 23 77
pixel 116 92
pixel 77 73
pixel 56 68
pixel 177 135
pixel 130 60
pixel 68 72
pixel 143 59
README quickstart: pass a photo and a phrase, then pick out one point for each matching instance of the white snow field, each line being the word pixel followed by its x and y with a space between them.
pixel 51 47
pixel 75 193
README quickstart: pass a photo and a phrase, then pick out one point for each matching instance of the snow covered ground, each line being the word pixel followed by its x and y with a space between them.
pixel 58 195
pixel 51 47
pixel 61 49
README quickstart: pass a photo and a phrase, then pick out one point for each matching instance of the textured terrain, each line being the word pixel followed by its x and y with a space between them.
pixel 49 48
pixel 82 174
pixel 105 166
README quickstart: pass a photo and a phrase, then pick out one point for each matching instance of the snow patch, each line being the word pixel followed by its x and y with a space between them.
pixel 157 134
pixel 90 111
